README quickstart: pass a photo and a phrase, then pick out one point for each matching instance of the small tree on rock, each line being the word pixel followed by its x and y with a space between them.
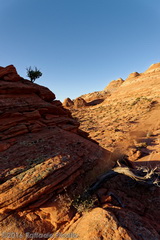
pixel 33 74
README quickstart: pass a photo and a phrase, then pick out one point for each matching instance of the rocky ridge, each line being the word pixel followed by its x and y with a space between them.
pixel 114 85
pixel 132 107
pixel 42 153
pixel 144 84
pixel 135 85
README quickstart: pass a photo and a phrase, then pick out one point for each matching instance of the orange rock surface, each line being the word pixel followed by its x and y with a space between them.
pixel 48 158
pixel 126 123
pixel 42 152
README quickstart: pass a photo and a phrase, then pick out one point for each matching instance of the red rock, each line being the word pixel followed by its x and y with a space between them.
pixel 79 102
pixel 9 73
pixel 50 116
pixel 133 75
pixel 68 103
pixel 34 115
pixel 48 155
pixel 153 68
pixel 135 133
pixel 4 146
pixel 55 158
pixel 36 126
pixel 14 131
pixel 114 85
pixel 134 86
pixel 98 224
pixel 22 102
pixel 26 87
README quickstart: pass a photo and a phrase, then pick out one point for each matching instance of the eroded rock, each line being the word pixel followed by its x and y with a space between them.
pixel 42 153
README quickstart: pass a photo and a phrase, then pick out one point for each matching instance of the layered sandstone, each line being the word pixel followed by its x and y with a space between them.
pixel 114 85
pixel 45 160
pixel 146 84
pixel 68 102
pixel 79 102
pixel 42 152
pixel 127 123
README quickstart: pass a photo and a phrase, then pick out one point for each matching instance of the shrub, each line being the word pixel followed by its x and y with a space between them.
pixel 83 205
pixel 33 74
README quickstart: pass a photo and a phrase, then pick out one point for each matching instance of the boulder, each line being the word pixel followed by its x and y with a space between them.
pixel 133 75
pixel 79 102
pixel 68 102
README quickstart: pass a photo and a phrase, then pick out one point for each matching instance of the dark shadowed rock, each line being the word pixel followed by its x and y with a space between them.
pixel 9 73
pixel 68 103
pixel 42 153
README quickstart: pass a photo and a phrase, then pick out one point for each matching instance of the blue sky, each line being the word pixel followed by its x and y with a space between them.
pixel 79 45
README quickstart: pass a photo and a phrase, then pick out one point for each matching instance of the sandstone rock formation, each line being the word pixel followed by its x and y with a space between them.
pixel 145 84
pixel 79 102
pixel 126 123
pixel 42 152
pixel 153 68
pixel 113 85
pixel 97 97
pixel 46 160
pixel 98 224
pixel 9 74
pixel 136 85
pixel 134 105
pixel 102 224
pixel 133 75
pixel 68 103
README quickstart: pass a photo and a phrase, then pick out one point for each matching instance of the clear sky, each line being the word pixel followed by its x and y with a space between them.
pixel 79 45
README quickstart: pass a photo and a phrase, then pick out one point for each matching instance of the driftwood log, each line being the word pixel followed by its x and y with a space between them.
pixel 142 175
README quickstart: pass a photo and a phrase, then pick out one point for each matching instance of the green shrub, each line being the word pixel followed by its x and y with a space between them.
pixel 33 74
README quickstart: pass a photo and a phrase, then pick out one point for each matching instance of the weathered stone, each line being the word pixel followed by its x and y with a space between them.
pixel 41 153
pixel 68 103
pixel 79 102
pixel 114 85
pixel 9 73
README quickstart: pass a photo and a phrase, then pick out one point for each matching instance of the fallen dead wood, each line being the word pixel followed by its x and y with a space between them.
pixel 143 175
pixel 151 177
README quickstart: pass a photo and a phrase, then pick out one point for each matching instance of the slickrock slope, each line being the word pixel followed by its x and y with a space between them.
pixel 97 97
pixel 114 85
pixel 132 107
pixel 146 84
pixel 42 152
pixel 90 97
pixel 46 160
pixel 127 123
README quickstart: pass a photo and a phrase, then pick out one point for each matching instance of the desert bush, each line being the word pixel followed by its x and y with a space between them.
pixel 33 74
pixel 83 205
